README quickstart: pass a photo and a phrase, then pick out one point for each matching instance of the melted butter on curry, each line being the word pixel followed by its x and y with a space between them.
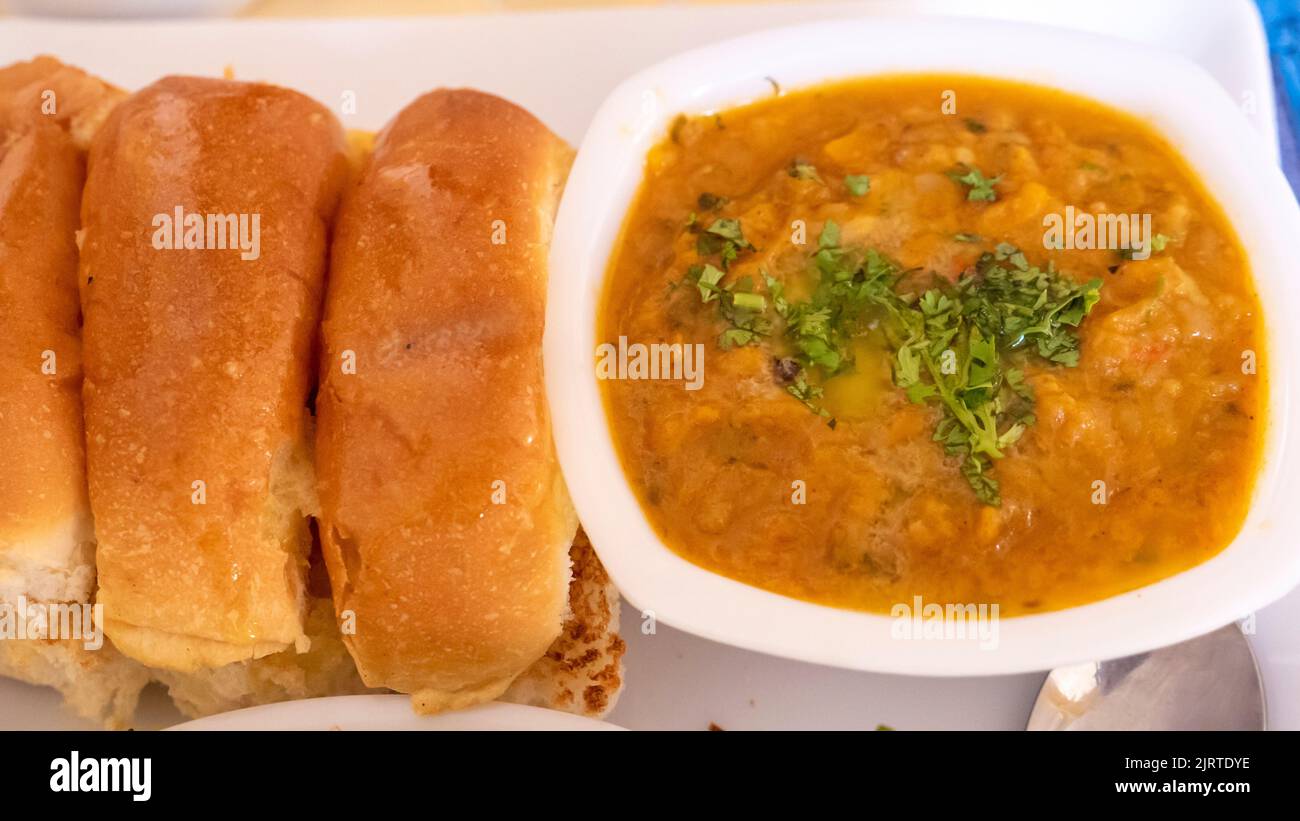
pixel 1142 403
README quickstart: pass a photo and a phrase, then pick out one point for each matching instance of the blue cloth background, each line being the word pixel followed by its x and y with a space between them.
pixel 1282 20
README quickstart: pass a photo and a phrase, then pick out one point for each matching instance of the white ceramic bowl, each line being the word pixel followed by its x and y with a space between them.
pixel 1174 95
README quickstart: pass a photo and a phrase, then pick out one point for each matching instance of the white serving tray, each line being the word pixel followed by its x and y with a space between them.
pixel 390 712
pixel 560 65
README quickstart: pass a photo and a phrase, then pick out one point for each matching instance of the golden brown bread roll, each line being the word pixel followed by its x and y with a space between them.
pixel 445 522
pixel 63 95
pixel 198 363
pixel 46 536
pixel 42 488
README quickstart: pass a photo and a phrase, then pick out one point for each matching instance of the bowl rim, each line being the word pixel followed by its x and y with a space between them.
pixel 1175 96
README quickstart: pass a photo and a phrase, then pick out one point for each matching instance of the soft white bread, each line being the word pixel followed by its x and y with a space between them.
pixel 324 670
pixel 100 685
pixel 46 536
pixel 198 364
pixel 445 522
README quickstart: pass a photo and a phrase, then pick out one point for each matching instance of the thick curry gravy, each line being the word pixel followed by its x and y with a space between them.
pixel 1137 463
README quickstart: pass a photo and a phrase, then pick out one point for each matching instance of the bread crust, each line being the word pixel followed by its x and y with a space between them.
pixel 445 521
pixel 46 538
pixel 42 488
pixel 46 534
pixel 45 89
pixel 198 365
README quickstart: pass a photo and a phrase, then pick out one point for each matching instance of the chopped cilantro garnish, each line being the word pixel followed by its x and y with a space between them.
pixel 737 338
pixel 974 126
pixel 858 184
pixel 964 237
pixel 729 229
pixel 723 239
pixel 707 279
pixel 958 346
pixel 981 187
pixel 1158 244
pixel 712 202
pixel 743 310
pixel 978 327
pixel 803 171
pixel 807 394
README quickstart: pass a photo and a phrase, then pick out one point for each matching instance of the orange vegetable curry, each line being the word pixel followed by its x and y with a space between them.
pixel 934 362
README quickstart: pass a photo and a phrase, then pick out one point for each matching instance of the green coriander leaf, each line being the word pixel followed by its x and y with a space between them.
pixel 729 229
pixel 858 184
pixel 981 187
pixel 711 202
pixel 807 394
pixel 830 236
pixel 1016 381
pixel 985 487
pixel 707 279
pixel 920 392
pixel 736 338
pixel 777 290
pixel 707 245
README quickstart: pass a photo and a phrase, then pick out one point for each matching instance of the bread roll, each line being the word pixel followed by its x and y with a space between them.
pixel 47 89
pixel 46 535
pixel 199 362
pixel 44 515
pixel 445 522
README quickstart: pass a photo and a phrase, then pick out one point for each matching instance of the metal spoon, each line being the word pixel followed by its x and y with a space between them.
pixel 1209 683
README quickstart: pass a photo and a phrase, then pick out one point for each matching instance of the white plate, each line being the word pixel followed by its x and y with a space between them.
pixel 389 712
pixel 561 65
